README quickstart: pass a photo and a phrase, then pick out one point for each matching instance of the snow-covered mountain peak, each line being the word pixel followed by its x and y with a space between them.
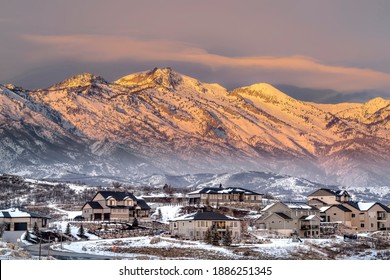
pixel 160 77
pixel 80 80
pixel 265 91
pixel 377 103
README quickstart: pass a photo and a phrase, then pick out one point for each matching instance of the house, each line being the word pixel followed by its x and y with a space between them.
pixel 112 205
pixel 15 219
pixel 289 218
pixel 330 196
pixel 194 226
pixel 336 213
pixel 368 216
pixel 214 196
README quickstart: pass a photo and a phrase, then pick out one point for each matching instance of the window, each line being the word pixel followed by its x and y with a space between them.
pixel 353 215
pixel 362 225
pixel 334 214
pixel 372 225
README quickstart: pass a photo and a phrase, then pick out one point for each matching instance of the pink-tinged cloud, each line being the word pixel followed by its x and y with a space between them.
pixel 308 71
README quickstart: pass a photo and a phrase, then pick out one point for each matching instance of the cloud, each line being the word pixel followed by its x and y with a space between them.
pixel 306 70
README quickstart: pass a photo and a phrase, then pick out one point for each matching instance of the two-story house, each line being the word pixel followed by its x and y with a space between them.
pixel 220 195
pixel 289 218
pixel 194 226
pixel 336 213
pixel 369 216
pixel 328 197
pixel 111 205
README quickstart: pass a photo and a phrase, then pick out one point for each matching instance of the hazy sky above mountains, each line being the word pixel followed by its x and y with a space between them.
pixel 339 45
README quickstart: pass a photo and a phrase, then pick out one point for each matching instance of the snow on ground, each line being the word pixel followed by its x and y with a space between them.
pixel 106 247
pixel 168 212
pixel 69 214
pixel 61 225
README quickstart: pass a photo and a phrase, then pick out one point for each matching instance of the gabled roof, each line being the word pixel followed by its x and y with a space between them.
pixel 205 216
pixel 365 206
pixel 331 192
pixel 224 191
pixel 93 205
pixel 309 217
pixel 297 205
pixel 142 203
pixel 291 205
pixel 116 195
pixel 339 206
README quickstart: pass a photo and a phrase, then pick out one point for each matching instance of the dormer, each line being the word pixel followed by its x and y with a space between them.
pixel 110 201
pixel 128 201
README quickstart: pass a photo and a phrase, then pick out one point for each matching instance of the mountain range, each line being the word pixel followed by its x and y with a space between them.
pixel 162 122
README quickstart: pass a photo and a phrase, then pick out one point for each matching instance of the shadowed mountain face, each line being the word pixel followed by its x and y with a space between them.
pixel 160 121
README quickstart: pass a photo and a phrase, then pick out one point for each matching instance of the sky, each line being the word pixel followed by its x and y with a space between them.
pixel 342 45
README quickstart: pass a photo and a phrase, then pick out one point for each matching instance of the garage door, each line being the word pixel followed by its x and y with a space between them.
pixel 20 226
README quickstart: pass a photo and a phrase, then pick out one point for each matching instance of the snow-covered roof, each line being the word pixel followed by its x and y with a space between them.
pixel 310 217
pixel 17 213
pixel 224 191
pixel 204 216
pixel 298 205
pixel 365 206
pixel 324 208
pixel 267 207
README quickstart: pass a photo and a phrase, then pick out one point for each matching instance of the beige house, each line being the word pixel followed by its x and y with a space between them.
pixel 289 218
pixel 336 213
pixel 371 216
pixel 214 196
pixel 18 220
pixel 194 226
pixel 117 206
pixel 330 196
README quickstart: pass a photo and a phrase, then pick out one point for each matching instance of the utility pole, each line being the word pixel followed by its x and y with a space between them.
pixel 40 247
pixel 48 250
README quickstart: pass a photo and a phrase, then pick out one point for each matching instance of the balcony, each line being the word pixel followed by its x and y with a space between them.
pixel 381 216
pixel 309 227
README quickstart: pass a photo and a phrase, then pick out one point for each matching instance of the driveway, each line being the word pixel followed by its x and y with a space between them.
pixel 61 255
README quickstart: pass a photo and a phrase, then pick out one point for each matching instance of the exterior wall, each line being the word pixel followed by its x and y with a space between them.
pixel 334 214
pixel 286 226
pixel 371 220
pixel 328 198
pixel 121 214
pixel 214 199
pixel 325 197
pixel 196 229
pixel 42 223
pixel 275 222
pixel 316 203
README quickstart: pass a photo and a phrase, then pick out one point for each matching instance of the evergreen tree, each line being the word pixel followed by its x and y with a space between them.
pixel 36 230
pixel 227 238
pixel 215 237
pixel 135 222
pixel 27 236
pixel 67 230
pixel 81 231
pixel 159 214
pixel 207 236
pixel 212 236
